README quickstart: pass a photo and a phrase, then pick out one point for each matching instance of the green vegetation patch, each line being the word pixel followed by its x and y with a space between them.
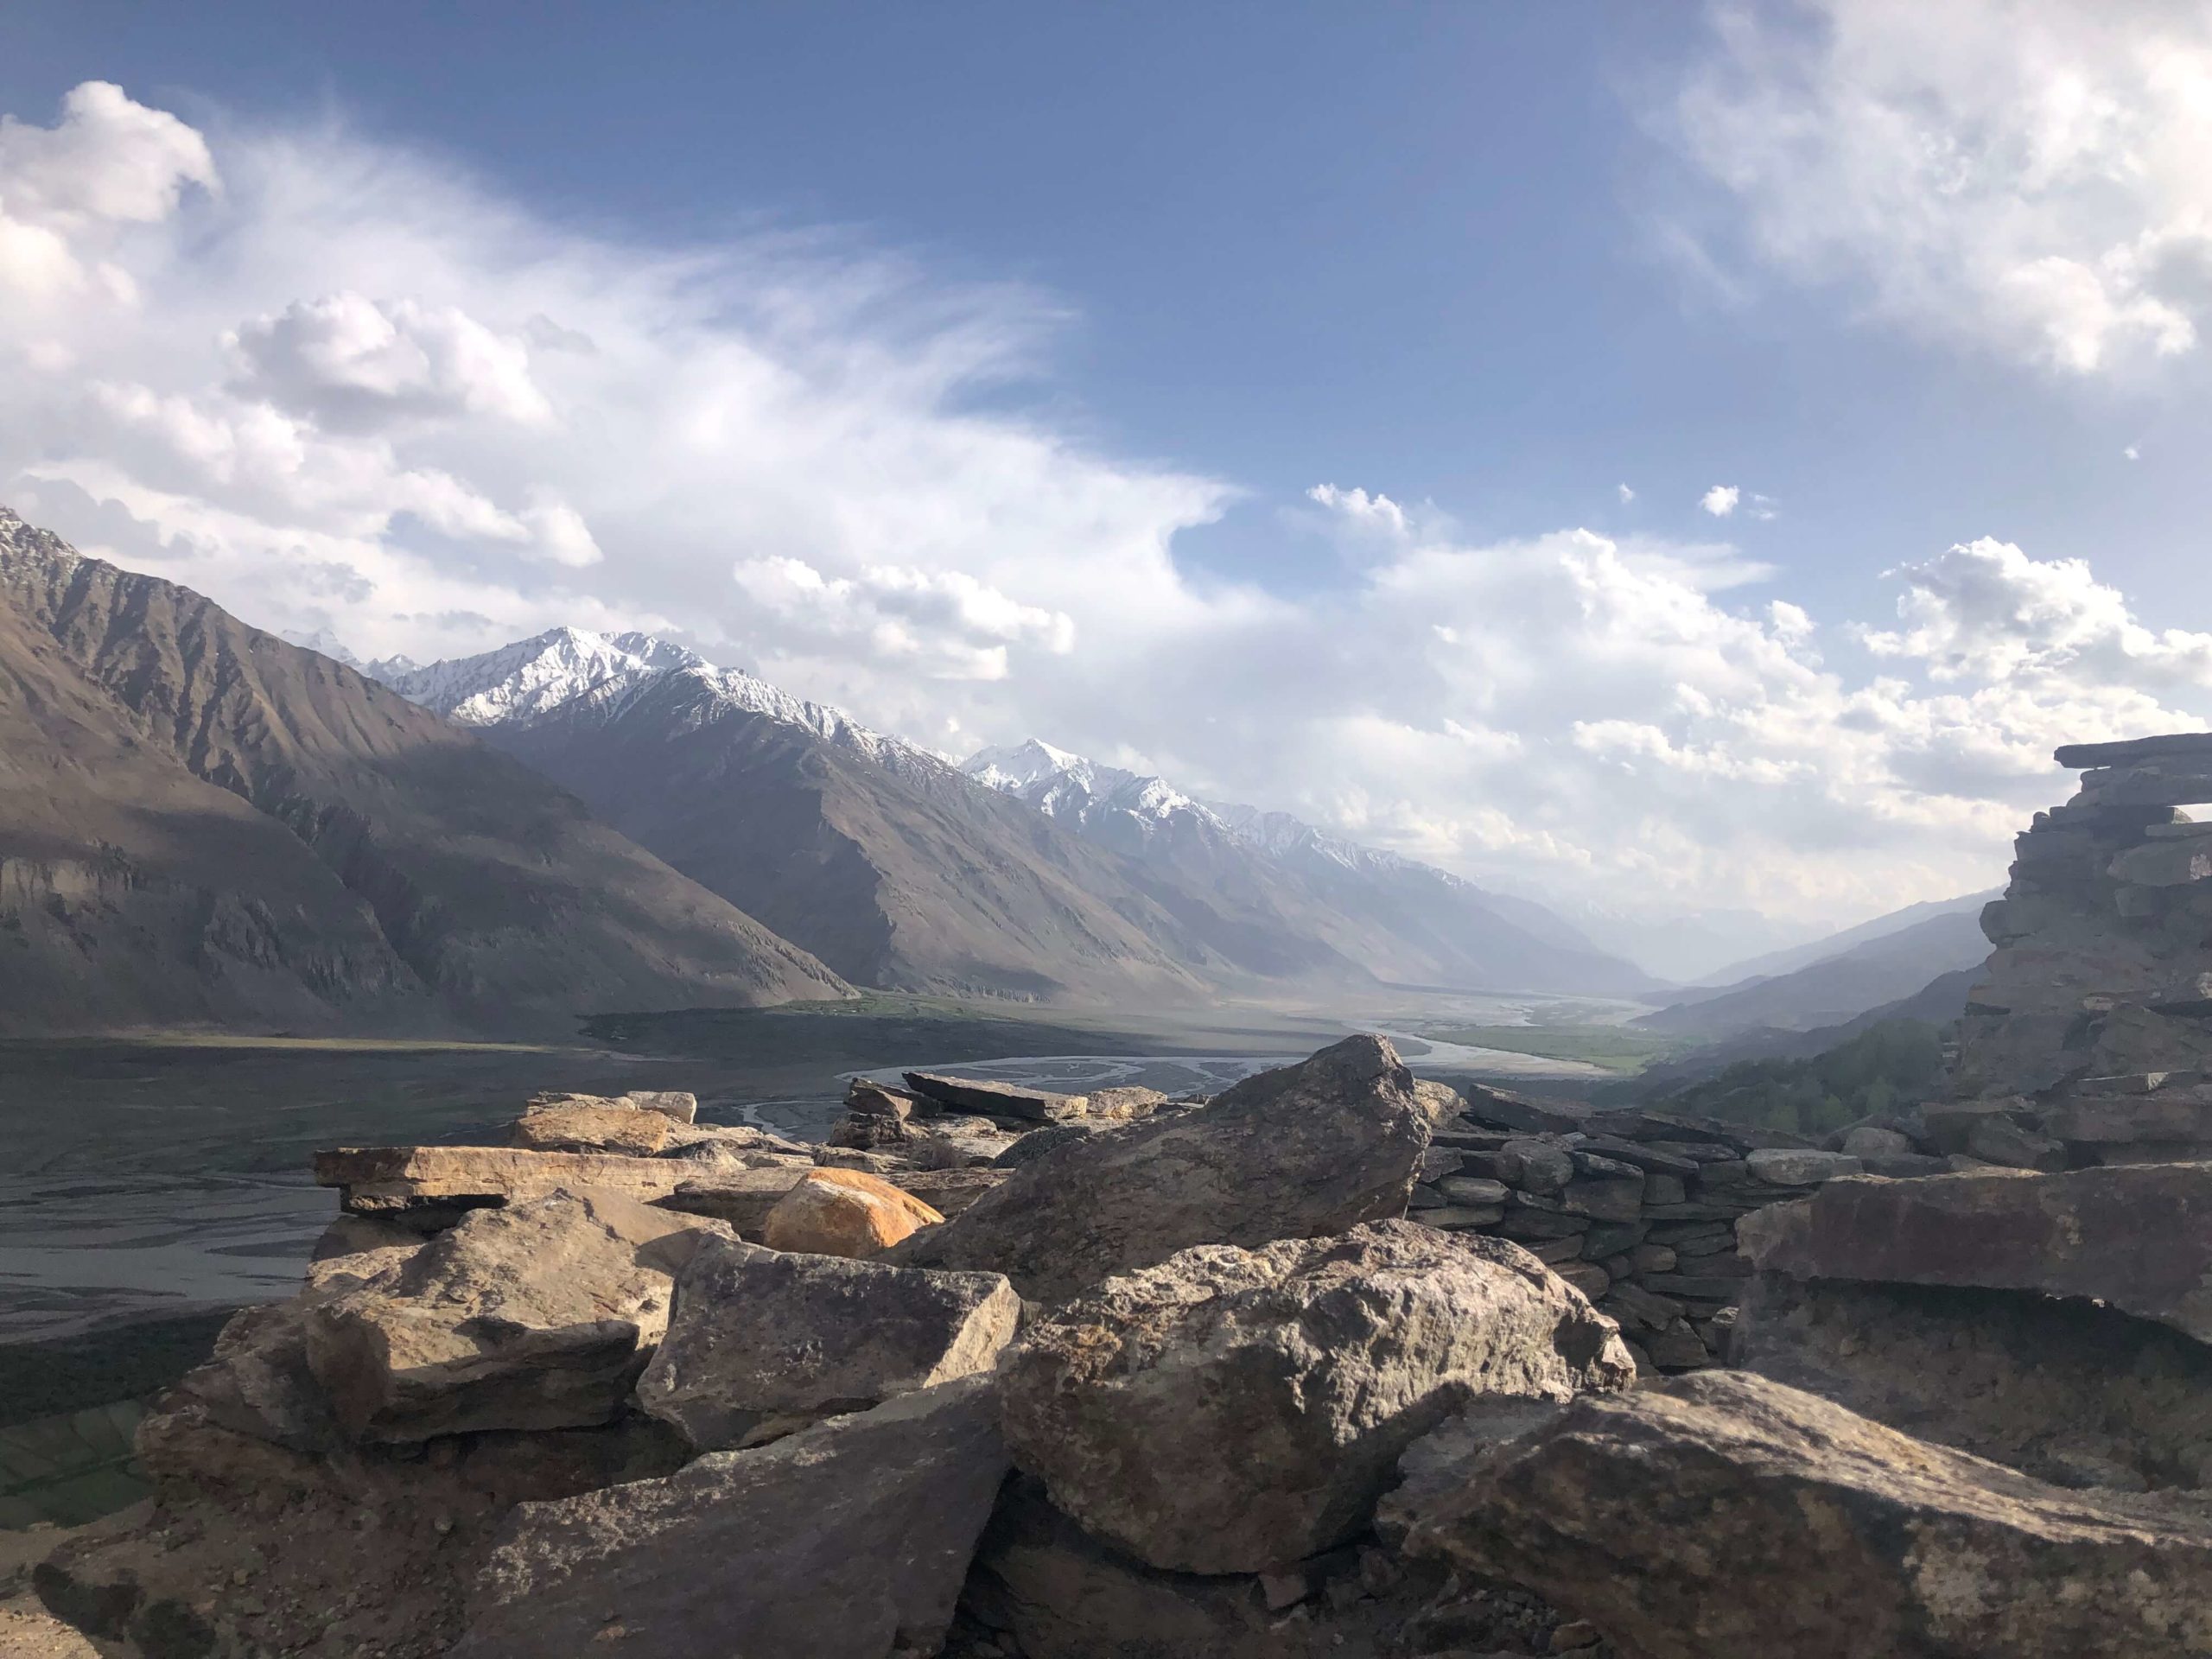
pixel 1886 1068
pixel 129 1360
pixel 1617 1048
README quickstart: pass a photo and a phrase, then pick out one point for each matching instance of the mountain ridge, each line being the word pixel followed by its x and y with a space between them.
pixel 200 822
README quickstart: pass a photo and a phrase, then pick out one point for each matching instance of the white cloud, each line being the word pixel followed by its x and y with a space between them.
pixel 1627 494
pixel 946 622
pixel 2131 453
pixel 68 192
pixel 352 392
pixel 1721 500
pixel 345 361
pixel 1986 611
pixel 2028 175
pixel 1378 512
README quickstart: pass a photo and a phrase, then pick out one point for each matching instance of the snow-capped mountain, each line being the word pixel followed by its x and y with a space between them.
pixel 1031 872
pixel 578 676
pixel 1405 921
pixel 530 677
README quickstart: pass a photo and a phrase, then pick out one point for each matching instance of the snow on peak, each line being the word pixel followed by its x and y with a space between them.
pixel 322 642
pixel 582 675
pixel 1068 786
pixel 531 677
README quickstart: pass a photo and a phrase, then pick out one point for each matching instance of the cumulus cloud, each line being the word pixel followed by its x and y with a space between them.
pixel 1721 500
pixel 344 362
pixel 69 191
pixel 349 390
pixel 945 621
pixel 1627 494
pixel 2027 175
pixel 1987 611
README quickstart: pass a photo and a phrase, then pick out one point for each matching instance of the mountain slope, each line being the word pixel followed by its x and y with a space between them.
pixel 1834 944
pixel 1868 975
pixel 1406 923
pixel 879 857
pixel 199 821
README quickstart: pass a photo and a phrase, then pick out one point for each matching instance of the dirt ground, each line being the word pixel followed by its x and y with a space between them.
pixel 26 1629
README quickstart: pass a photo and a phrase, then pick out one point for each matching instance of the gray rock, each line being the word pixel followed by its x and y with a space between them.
pixel 1867 1141
pixel 996 1099
pixel 1791 1167
pixel 2137 1237
pixel 1066 1594
pixel 1500 1108
pixel 2048 1386
pixel 847 1541
pixel 1029 1148
pixel 1998 1139
pixel 1815 1532
pixel 1234 1410
pixel 1305 1151
pixel 1539 1167
pixel 538 1315
pixel 760 1344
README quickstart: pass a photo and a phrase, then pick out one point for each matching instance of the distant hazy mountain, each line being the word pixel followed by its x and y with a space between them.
pixel 900 870
pixel 1406 923
pixel 1866 974
pixel 1835 944
pixel 201 824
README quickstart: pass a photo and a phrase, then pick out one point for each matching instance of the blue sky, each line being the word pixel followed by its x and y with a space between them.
pixel 1489 262
pixel 1417 248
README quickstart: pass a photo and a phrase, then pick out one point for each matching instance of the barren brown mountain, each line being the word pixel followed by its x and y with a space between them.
pixel 200 822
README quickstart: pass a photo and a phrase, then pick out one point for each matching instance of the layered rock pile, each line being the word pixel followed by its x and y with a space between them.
pixel 2089 1038
pixel 1638 1210
pixel 1186 1380
pixel 518 1412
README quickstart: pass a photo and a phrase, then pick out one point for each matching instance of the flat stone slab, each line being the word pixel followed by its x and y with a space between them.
pixel 996 1099
pixel 2135 1237
pixel 1725 1517
pixel 2189 748
pixel 400 1178
pixel 848 1541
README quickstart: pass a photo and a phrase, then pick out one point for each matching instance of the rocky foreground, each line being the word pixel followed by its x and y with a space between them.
pixel 1337 1363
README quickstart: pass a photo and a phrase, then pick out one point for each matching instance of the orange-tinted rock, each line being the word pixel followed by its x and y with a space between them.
pixel 586 1126
pixel 844 1212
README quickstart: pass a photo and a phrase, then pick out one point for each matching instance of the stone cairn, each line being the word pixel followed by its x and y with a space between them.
pixel 2089 1038
pixel 1638 1210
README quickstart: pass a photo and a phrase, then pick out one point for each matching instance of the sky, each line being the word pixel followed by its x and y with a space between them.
pixel 1673 460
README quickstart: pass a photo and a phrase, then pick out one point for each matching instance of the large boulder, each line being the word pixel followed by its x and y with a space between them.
pixel 847 1541
pixel 2135 1237
pixel 1234 1410
pixel 1302 1151
pixel 843 1212
pixel 536 1315
pixel 760 1344
pixel 2058 1388
pixel 1060 1592
pixel 1725 1517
